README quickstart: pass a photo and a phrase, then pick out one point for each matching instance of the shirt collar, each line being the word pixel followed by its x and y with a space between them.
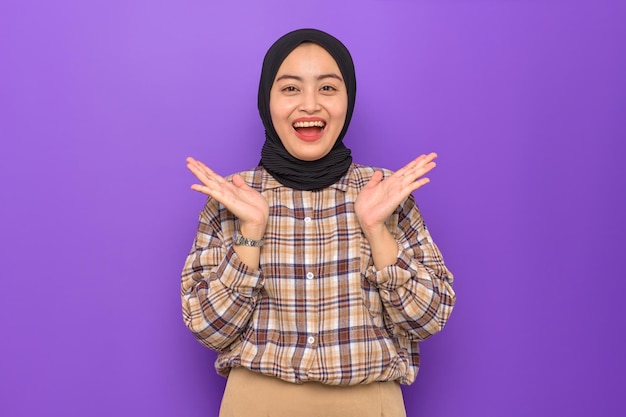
pixel 270 182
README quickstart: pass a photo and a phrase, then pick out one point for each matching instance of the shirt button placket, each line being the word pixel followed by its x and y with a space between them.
pixel 309 276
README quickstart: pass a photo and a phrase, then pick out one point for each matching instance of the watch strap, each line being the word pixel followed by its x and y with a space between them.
pixel 241 240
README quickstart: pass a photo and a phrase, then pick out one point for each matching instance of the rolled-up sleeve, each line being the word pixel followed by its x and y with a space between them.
pixel 417 289
pixel 218 291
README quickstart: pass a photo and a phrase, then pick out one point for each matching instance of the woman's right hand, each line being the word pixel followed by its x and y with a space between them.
pixel 247 204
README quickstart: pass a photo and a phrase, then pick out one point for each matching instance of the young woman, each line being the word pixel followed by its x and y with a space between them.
pixel 312 276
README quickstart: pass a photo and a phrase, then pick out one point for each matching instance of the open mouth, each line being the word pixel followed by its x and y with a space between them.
pixel 309 130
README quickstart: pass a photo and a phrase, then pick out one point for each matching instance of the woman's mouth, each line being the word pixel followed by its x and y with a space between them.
pixel 309 130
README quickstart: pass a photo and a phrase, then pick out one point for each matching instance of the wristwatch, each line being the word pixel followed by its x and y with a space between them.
pixel 239 240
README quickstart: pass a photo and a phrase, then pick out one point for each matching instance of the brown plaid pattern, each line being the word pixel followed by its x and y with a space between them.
pixel 317 309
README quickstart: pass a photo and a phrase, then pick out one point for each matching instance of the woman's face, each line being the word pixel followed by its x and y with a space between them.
pixel 308 102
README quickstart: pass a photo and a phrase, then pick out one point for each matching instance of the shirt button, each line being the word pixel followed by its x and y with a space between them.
pixel 311 339
pixel 307 220
pixel 309 275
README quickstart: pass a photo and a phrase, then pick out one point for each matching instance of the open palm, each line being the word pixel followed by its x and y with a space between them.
pixel 244 202
pixel 379 198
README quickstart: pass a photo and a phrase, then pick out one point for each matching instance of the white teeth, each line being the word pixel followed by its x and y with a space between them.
pixel 318 123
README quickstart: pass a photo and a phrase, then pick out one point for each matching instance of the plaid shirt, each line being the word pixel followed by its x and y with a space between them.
pixel 316 309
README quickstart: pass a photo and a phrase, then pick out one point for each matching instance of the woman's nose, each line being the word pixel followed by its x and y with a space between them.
pixel 310 102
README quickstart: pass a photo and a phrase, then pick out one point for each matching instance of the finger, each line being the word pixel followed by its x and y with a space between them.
pixel 427 159
pixel 213 190
pixel 203 172
pixel 418 173
pixel 202 168
pixel 423 169
pixel 419 183
pixel 423 160
pixel 198 165
pixel 422 166
pixel 420 160
pixel 402 171
pixel 204 190
pixel 200 174
pixel 194 165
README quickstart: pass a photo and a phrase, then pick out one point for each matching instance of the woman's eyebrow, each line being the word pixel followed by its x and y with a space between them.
pixel 330 75
pixel 298 78
pixel 288 77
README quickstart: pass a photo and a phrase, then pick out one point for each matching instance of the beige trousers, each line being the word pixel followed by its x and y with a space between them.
pixel 250 394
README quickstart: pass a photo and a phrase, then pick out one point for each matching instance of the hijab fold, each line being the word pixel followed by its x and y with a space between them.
pixel 288 170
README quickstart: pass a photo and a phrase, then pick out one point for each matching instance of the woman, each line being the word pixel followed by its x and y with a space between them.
pixel 312 276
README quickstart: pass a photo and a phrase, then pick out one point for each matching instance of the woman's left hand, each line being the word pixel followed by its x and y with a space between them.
pixel 379 198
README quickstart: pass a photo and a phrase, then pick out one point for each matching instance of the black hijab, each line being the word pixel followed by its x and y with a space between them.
pixel 288 170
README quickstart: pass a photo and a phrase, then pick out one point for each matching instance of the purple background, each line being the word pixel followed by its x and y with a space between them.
pixel 100 102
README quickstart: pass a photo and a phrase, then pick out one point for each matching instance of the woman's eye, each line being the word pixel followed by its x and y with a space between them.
pixel 328 88
pixel 290 89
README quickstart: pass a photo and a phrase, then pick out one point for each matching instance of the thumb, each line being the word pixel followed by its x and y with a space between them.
pixel 239 182
pixel 375 180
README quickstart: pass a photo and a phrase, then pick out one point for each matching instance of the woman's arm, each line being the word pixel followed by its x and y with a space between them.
pixel 218 290
pixel 413 282
pixel 416 288
pixel 221 282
